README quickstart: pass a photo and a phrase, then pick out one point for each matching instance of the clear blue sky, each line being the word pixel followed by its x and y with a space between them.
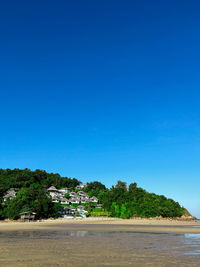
pixel 103 90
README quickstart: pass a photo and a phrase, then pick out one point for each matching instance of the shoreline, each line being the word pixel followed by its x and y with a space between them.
pixel 137 225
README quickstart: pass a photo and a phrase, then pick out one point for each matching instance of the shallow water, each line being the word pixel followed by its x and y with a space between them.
pixel 87 245
pixel 193 241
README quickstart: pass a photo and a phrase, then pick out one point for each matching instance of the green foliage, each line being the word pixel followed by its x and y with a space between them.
pixel 77 213
pixel 99 213
pixel 65 205
pixel 125 202
pixel 67 196
pixel 123 211
pixel 89 206
pixel 75 205
pixel 96 189
pixel 94 186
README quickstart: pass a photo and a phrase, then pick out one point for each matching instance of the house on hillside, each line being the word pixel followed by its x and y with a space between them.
pixel 81 186
pixel 75 200
pixel 64 201
pixel 84 199
pixel 67 212
pixel 54 193
pixel 94 199
pixel 55 199
pixel 83 196
pixel 81 210
pixel 64 191
pixel 73 194
pixel 81 193
pixel 10 194
pixel 98 206
pixel 52 189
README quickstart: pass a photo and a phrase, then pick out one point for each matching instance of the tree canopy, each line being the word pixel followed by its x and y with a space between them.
pixel 24 178
pixel 136 202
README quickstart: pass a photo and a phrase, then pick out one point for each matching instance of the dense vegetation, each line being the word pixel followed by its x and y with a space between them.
pixel 24 178
pixel 133 201
pixel 119 201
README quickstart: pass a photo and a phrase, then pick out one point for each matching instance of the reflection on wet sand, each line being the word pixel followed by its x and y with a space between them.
pixel 87 245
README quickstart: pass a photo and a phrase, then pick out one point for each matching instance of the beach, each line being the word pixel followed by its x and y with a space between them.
pixel 100 242
pixel 156 225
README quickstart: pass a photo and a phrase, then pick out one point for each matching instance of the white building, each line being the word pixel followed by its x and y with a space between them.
pixel 11 193
pixel 94 199
pixel 64 201
pixel 81 186
pixel 73 194
pixel 74 200
pixel 64 191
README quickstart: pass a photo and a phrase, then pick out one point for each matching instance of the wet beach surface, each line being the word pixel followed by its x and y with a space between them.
pixel 100 245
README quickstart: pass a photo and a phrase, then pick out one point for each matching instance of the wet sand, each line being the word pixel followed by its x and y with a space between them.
pixel 100 243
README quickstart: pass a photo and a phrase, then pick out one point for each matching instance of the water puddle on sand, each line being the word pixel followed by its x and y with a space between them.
pixel 192 240
pixel 195 252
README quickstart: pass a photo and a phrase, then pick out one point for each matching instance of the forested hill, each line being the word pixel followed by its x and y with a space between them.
pixel 119 201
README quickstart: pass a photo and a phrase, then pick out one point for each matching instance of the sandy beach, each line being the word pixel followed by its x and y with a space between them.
pixel 156 225
pixel 100 242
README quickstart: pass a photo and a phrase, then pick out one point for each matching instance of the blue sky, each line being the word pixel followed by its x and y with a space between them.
pixel 103 90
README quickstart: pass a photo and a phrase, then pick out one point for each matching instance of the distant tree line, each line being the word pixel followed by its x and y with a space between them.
pixel 119 201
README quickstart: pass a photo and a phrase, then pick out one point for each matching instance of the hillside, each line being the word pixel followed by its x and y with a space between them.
pixel 30 193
